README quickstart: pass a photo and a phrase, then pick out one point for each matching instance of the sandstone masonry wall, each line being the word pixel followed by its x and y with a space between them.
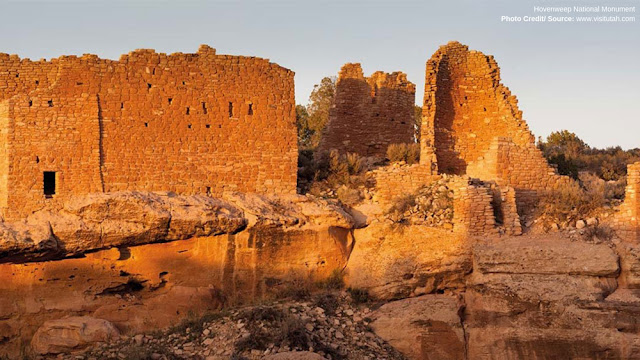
pixel 369 113
pixel 627 220
pixel 472 125
pixel 473 213
pixel 523 168
pixel 189 123
pixel 396 181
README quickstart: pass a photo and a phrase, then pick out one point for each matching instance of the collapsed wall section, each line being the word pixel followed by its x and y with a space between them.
pixel 189 123
pixel 369 113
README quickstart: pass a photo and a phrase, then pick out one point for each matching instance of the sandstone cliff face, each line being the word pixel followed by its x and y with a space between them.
pixel 105 220
pixel 127 269
pixel 451 296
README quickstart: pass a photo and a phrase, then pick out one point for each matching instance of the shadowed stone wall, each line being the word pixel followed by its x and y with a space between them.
pixel 369 113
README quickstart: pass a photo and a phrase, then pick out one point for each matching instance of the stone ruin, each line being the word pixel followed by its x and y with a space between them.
pixel 188 123
pixel 472 125
pixel 369 113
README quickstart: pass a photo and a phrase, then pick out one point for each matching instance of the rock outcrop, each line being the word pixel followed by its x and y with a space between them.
pixel 396 261
pixel 424 327
pixel 104 220
pixel 73 333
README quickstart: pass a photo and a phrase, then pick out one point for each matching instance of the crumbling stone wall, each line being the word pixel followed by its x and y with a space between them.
pixel 627 220
pixel 523 168
pixel 473 213
pixel 472 125
pixel 189 123
pixel 369 113
pixel 399 180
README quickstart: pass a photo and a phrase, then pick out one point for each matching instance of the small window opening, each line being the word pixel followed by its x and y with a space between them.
pixel 30 103
pixel 230 109
pixel 184 83
pixel 49 186
pixel 250 112
pixel 189 126
pixel 79 83
pixel 188 110
pixel 17 75
pixel 208 126
pixel 170 101
pixel 37 159
pixel 208 191
pixel 154 71
pixel 148 86
pixel 146 124
pixel 204 107
pixel 50 102
pixel 37 82
pixel 485 109
pixel 121 105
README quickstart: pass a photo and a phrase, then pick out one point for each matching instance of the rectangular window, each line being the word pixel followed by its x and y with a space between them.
pixel 49 186
pixel 250 109
pixel 230 109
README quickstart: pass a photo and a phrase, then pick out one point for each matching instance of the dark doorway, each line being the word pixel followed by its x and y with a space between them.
pixel 49 184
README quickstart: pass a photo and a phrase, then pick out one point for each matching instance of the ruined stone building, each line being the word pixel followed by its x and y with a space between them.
pixel 189 123
pixel 471 125
pixel 369 113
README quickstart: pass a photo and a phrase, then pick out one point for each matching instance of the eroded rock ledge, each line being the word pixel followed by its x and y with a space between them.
pixel 104 220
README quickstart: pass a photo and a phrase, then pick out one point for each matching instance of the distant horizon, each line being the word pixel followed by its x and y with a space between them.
pixel 578 77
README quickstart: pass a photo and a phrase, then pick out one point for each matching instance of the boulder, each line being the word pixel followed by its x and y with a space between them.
pixel 425 327
pixel 73 333
pixel 398 261
pixel 21 239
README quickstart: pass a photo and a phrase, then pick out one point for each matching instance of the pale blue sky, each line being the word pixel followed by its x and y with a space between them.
pixel 581 77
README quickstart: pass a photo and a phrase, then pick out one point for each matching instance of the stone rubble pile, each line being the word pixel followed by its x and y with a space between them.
pixel 334 329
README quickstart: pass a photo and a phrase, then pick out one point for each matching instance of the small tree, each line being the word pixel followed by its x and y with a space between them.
pixel 320 102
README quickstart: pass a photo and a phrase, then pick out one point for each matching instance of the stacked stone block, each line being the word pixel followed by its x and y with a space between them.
pixel 521 167
pixel 473 213
pixel 627 220
pixel 189 123
pixel 399 180
pixel 369 113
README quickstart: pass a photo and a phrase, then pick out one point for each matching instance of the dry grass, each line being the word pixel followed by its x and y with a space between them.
pixel 568 204
pixel 409 153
